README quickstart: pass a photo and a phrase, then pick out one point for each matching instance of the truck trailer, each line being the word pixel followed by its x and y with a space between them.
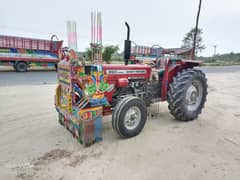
pixel 22 53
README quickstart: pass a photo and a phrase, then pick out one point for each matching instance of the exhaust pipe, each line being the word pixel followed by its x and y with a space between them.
pixel 127 45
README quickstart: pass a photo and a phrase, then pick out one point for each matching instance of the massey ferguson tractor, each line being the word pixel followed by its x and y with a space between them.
pixel 88 91
pixel 138 86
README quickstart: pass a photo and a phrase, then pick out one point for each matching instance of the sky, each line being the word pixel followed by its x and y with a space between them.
pixel 163 22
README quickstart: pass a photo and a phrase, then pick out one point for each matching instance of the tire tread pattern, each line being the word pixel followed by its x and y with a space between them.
pixel 176 94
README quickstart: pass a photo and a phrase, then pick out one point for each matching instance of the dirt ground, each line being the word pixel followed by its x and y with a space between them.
pixel 34 146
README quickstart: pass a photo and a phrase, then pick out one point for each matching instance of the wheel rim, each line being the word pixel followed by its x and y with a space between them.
pixel 21 67
pixel 194 95
pixel 132 118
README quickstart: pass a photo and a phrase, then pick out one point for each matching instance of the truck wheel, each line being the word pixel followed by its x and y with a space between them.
pixel 187 94
pixel 130 117
pixel 21 67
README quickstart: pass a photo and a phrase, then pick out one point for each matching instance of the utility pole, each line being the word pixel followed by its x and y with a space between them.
pixel 196 29
pixel 215 50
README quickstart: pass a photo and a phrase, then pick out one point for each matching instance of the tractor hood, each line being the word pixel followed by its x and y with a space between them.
pixel 116 71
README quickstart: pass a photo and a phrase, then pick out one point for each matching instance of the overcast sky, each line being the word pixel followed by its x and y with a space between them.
pixel 161 22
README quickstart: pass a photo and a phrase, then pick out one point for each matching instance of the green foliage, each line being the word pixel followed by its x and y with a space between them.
pixel 189 38
pixel 222 60
pixel 117 57
pixel 108 51
pixel 88 54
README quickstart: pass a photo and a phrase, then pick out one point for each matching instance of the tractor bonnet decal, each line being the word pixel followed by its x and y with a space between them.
pixel 126 71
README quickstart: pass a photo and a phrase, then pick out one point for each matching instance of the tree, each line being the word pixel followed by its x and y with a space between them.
pixel 188 40
pixel 108 51
pixel 88 54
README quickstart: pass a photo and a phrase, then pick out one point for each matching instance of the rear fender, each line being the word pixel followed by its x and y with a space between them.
pixel 171 70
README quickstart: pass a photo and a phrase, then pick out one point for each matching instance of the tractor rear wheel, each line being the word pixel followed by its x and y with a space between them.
pixel 187 94
pixel 129 117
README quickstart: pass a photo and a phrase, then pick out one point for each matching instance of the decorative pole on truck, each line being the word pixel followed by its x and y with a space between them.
pixel 96 37
pixel 72 35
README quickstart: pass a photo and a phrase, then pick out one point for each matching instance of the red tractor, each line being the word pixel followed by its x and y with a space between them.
pixel 86 92
pixel 137 86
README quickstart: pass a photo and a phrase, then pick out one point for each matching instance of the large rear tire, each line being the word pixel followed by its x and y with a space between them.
pixel 129 117
pixel 187 94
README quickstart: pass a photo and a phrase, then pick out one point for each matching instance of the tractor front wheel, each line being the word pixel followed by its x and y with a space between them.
pixel 187 94
pixel 129 117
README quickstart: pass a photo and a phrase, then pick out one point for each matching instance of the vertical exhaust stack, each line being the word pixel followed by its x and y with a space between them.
pixel 127 45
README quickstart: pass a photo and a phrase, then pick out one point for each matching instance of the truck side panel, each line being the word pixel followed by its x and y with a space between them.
pixel 28 50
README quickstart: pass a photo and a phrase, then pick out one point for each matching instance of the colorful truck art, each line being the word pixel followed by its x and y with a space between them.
pixel 79 100
pixel 22 53
pixel 80 94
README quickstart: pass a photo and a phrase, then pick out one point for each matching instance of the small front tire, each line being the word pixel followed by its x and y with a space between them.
pixel 130 117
